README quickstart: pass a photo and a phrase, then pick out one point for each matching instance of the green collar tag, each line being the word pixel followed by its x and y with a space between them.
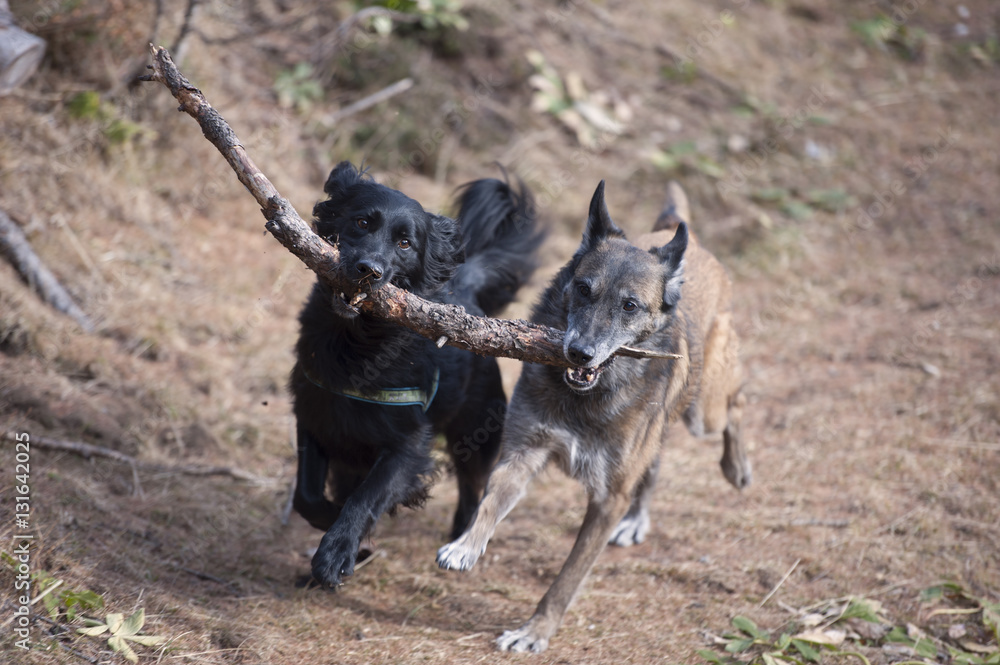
pixel 389 396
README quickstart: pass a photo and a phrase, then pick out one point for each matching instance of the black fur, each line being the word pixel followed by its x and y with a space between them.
pixel 376 457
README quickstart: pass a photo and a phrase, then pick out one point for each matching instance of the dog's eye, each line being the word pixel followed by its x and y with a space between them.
pixel 629 306
pixel 583 290
pixel 404 243
pixel 362 224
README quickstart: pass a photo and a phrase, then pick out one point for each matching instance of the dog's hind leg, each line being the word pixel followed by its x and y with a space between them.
pixel 505 488
pixel 735 463
pixel 309 499
pixel 632 528
pixel 599 522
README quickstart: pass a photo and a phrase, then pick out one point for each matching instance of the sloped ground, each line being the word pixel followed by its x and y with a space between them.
pixel 848 181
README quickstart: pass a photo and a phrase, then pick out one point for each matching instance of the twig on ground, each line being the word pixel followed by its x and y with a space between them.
pixel 329 46
pixel 286 511
pixel 88 451
pixel 14 244
pixel 370 101
pixel 520 340
pixel 200 574
pixel 780 582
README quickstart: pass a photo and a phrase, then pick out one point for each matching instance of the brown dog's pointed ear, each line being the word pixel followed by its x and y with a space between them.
pixel 341 177
pixel 671 258
pixel 599 224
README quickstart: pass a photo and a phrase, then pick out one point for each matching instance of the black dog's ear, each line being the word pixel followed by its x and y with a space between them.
pixel 341 177
pixel 671 258
pixel 599 224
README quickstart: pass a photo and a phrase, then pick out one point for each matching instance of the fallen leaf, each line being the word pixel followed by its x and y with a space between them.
pixel 832 637
pixel 978 648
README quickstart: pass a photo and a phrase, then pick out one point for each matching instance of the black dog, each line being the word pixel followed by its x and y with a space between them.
pixel 370 396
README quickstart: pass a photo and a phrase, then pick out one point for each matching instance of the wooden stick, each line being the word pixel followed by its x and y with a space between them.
pixel 15 245
pixel 780 582
pixel 517 339
pixel 370 101
pixel 88 451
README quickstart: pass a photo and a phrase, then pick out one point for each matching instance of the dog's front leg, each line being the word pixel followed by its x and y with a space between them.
pixel 598 524
pixel 392 479
pixel 309 499
pixel 503 490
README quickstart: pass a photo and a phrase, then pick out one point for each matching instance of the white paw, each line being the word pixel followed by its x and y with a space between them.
pixel 631 530
pixel 458 555
pixel 522 639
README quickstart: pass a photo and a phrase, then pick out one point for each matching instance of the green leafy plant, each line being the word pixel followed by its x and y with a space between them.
pixel 883 33
pixel 685 155
pixel 832 628
pixel 786 647
pixel 297 88
pixel 117 129
pixel 433 14
pixel 66 601
pixel 966 651
pixel 587 114
pixel 123 630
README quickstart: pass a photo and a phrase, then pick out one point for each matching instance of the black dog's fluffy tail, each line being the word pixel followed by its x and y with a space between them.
pixel 501 237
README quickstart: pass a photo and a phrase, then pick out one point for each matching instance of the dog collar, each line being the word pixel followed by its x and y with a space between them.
pixel 387 396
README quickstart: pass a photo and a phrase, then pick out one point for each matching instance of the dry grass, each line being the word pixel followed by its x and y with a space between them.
pixel 871 350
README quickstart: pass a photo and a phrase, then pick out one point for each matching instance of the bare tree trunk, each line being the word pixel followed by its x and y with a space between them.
pixel 448 324
pixel 20 52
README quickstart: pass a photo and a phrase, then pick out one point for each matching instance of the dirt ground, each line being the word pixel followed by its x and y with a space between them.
pixel 842 162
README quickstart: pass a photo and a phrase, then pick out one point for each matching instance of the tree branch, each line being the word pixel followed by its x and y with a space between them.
pixel 88 451
pixel 521 340
pixel 16 247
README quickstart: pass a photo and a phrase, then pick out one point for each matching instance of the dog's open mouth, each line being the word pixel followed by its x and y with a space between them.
pixel 582 379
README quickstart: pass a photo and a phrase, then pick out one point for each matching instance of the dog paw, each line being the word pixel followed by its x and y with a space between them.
pixel 631 530
pixel 737 471
pixel 458 555
pixel 529 637
pixel 334 560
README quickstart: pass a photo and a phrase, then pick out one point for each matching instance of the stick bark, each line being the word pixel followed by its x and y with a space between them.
pixel 517 339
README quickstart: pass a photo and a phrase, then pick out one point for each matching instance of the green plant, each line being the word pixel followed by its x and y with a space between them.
pixel 971 652
pixel 123 630
pixel 685 154
pixel 785 647
pixel 433 14
pixel 828 628
pixel 887 35
pixel 67 600
pixel 297 88
pixel 586 114
pixel 117 129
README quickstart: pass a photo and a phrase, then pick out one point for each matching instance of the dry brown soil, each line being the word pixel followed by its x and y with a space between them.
pixel 871 330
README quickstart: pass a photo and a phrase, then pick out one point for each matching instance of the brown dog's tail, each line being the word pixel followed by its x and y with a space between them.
pixel 675 210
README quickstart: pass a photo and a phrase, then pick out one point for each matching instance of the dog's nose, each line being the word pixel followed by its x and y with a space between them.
pixel 580 355
pixel 368 267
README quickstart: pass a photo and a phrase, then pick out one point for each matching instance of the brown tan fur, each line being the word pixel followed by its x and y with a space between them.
pixel 605 420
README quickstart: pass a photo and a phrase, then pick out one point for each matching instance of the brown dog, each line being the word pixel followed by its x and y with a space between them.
pixel 605 419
